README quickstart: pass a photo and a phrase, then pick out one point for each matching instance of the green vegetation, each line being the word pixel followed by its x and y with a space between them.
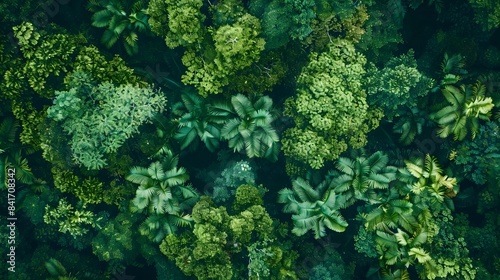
pixel 120 20
pixel 258 139
pixel 330 109
pixel 99 119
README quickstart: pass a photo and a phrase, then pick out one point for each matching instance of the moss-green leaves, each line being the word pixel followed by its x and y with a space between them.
pixel 330 108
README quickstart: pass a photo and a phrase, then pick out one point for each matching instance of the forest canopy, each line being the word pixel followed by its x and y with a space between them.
pixel 230 139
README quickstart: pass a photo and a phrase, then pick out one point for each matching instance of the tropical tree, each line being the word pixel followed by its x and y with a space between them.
pixel 248 125
pixel 115 240
pixel 397 86
pixel 196 122
pixel 330 109
pixel 214 54
pixel 468 106
pixel 400 249
pixel 404 224
pixel 478 160
pixel 236 45
pixel 157 226
pixel 163 195
pixel 391 214
pixel 120 18
pixel 431 182
pixel 314 208
pixel 218 236
pixel 486 13
pixel 162 186
pixel 70 219
pixel 363 175
pixel 99 119
pixel 179 22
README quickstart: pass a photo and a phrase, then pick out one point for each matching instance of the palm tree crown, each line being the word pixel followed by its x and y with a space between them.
pixel 249 126
pixel 161 186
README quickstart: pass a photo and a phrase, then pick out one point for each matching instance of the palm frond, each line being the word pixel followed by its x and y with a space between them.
pixel 156 172
pixel 385 239
pixel 454 95
pixel 303 223
pixel 242 105
pixel 192 101
pixel 345 165
pixel 237 143
pixel 377 161
pixel 263 103
pixel 420 238
pixel 421 255
pixel 102 18
pixel 261 117
pixel 304 191
pixel 230 129
pixel 185 136
pixel 220 111
pixel 175 176
pixel 109 38
pixel 335 222
pixel 285 195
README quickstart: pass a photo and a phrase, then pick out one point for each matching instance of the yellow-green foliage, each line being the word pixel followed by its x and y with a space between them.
pixel 236 46
pixel 68 219
pixel 42 57
pixel 88 190
pixel 179 22
pixel 261 76
pixel 92 62
pixel 217 235
pixel 45 55
pixel 330 109
pixel 40 69
pixel 213 53
pixel 114 241
pixel 30 121
pixel 467 105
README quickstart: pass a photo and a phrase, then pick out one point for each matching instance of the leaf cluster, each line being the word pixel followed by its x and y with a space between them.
pixel 109 116
pixel 330 109
pixel 121 19
pixel 69 219
pixel 163 195
pixel 216 236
